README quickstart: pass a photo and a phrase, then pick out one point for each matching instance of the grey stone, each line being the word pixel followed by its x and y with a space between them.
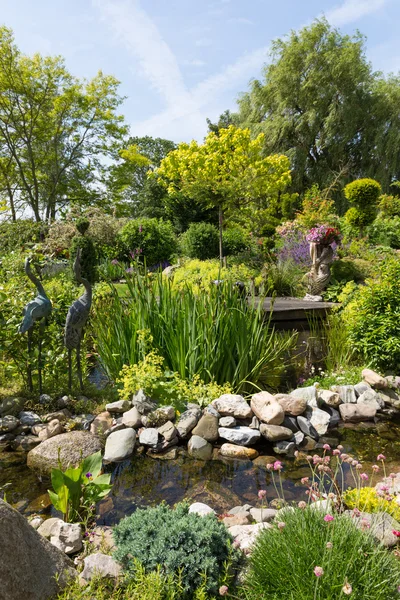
pixel 210 410
pixel 27 417
pixel 371 397
pixel 292 405
pixel 102 423
pixel 254 423
pixel 100 566
pixel 187 421
pixel 329 398
pixel 149 437
pixel 227 422
pixel 275 433
pixel 374 379
pixel 61 415
pixel 307 428
pixel 246 535
pixel 119 445
pixel 168 431
pixel 35 429
pixel 361 387
pixel 45 399
pixel 309 394
pixel 199 508
pixel 31 568
pixel 63 402
pixel 11 406
pixel 118 407
pixel 267 409
pixel 232 405
pixel 67 537
pixel 199 448
pixel 194 406
pixel 290 423
pixel 46 528
pixel 132 418
pixel 243 436
pixel 52 429
pixel 8 423
pixel 346 393
pixel 159 416
pixel 308 443
pixel 263 515
pixel 284 447
pixel 143 403
pixel 390 397
pixel 5 440
pixel 298 438
pixel 381 525
pixel 25 443
pixel 36 522
pixel 355 413
pixel 117 427
pixel 72 446
pixel 333 414
pixel 207 428
pixel 319 419
pixel 245 508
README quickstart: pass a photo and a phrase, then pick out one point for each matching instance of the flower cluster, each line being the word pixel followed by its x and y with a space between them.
pixel 322 234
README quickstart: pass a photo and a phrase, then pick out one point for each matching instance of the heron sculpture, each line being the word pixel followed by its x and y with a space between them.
pixel 38 309
pixel 77 317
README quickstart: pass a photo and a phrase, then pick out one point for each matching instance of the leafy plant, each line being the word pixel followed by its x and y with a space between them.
pixel 154 238
pixel 368 500
pixel 183 543
pixel 88 251
pixel 282 278
pixel 363 194
pixel 18 234
pixel 76 489
pixel 235 240
pixel 308 557
pixel 200 275
pixel 200 241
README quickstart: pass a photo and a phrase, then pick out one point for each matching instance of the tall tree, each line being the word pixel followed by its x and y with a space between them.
pixel 55 130
pixel 227 172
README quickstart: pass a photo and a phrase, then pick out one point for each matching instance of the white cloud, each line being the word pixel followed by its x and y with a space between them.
pixel 352 10
pixel 203 42
pixel 240 21
pixel 194 63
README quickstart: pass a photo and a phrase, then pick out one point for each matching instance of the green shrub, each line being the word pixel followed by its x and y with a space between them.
pixel 283 278
pixel 389 206
pixel 180 541
pixel 373 318
pixel 152 239
pixel 235 241
pixel 17 234
pixel 385 232
pixel 283 561
pixel 199 275
pixel 360 217
pixel 367 500
pixel 363 194
pixel 200 241
pixel 346 270
pixel 88 256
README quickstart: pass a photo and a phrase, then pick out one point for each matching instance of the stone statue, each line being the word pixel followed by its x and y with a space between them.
pixel 320 273
pixel 77 317
pixel 38 309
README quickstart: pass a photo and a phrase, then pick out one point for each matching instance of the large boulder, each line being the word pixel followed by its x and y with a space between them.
pixel 232 405
pixel 31 568
pixel 374 379
pixel 267 408
pixel 72 448
pixel 207 427
pixel 199 448
pixel 291 405
pixel 243 436
pixel 355 413
pixel 119 445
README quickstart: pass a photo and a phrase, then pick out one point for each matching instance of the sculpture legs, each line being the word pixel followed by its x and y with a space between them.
pixel 69 369
pixel 78 365
pixel 29 364
pixel 42 325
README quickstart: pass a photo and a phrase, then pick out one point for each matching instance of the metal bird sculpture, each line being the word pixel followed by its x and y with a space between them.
pixel 77 317
pixel 38 309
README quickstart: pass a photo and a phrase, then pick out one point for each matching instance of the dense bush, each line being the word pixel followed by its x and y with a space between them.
pixel 389 206
pixel 367 500
pixel 180 541
pixel 284 559
pixel 17 234
pixel 283 278
pixel 200 274
pixel 153 240
pixel 88 256
pixel 363 194
pixel 346 270
pixel 235 241
pixel 373 318
pixel 385 232
pixel 200 241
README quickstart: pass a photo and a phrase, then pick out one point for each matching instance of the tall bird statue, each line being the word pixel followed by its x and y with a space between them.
pixel 77 316
pixel 38 309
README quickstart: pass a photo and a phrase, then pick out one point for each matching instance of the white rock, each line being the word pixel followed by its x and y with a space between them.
pixel 346 393
pixel 119 445
pixel 100 565
pixel 46 528
pixel 120 406
pixel 227 422
pixel 149 437
pixel 371 397
pixel 243 436
pixel 309 394
pixel 199 448
pixel 330 398
pixel 267 408
pixel 132 418
pixel 232 405
pixel 263 515
pixel 319 419
pixel 67 537
pixel 245 535
pixel 374 379
pixel 199 508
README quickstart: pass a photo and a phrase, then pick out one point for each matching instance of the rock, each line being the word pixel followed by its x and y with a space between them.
pixel 263 515
pixel 308 443
pixel 27 417
pixel 264 461
pixel 373 379
pixel 381 525
pixel 199 448
pixel 36 522
pixel 346 393
pixel 63 402
pixel 187 421
pixel 24 443
pixel 207 427
pixel 60 415
pixel 102 539
pixel 53 428
pixel 240 509
pixel 11 406
pixel 267 409
pixel 390 397
pixel 102 423
pixel 118 407
pixel 284 447
pixel 169 454
pixel 100 566
pixel 168 431
pixel 149 437
pixel 67 537
pixel 31 568
pixel 309 394
pixel 5 441
pixel 290 423
pixel 210 410
pixel 319 419
pixel 73 446
pixel 298 438
pixel 194 406
pixel 199 508
pixel 330 398
pixel 132 418
pixel 361 387
pixel 143 403
pixel 254 423
pixel 372 398
pixel 245 535
pixel 45 399
pixel 234 451
pixel 241 518
pixel 227 422
pixel 243 436
pixel 119 445
pixel 8 423
pixel 275 433
pixel 46 528
pixel 36 429
pixel 333 414
pixel 232 405
pixel 307 428
pixel 354 413
pixel 291 405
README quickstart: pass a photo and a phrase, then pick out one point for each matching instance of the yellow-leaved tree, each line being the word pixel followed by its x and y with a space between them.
pixel 228 171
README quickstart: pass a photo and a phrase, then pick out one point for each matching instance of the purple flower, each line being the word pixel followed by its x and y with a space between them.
pixel 114 261
pixel 140 228
pixel 88 475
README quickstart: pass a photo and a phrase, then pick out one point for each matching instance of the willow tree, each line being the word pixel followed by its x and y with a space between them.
pixel 228 171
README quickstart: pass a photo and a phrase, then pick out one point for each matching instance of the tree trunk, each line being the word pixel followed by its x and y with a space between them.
pixel 221 220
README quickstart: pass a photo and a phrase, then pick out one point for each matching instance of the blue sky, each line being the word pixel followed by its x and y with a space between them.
pixel 180 61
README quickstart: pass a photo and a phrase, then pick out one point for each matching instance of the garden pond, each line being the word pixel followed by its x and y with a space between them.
pixel 221 483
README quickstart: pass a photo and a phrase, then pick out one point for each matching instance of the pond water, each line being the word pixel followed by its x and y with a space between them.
pixel 221 483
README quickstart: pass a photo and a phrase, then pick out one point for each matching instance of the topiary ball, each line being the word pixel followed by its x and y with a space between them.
pixel 82 225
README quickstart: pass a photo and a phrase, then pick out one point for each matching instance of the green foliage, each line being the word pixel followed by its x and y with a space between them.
pixel 316 208
pixel 342 376
pixel 283 560
pixel 182 542
pixel 372 318
pixel 220 336
pixel 389 206
pixel 235 240
pixel 15 235
pixel 346 270
pixel 199 275
pixel 367 500
pixel 282 278
pixel 154 239
pixel 363 193
pixel 82 224
pixel 76 489
pixel 200 241
pixel 111 270
pixel 88 256
pixel 385 232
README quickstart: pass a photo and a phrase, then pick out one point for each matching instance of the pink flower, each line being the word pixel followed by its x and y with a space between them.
pixel 381 457
pixel 365 524
pixel 396 533
pixel 347 589
pixel 326 447
pixel 304 480
pixel 356 512
pixel 392 475
pixel 340 447
pixel 318 571
pixel 281 525
pixel 375 468
pixel 278 465
pixel 302 504
pixel 359 466
pixel 262 494
pixel 223 590
pixel 329 545
pixel 336 452
pixel 328 518
pixel 270 466
pixel 364 476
